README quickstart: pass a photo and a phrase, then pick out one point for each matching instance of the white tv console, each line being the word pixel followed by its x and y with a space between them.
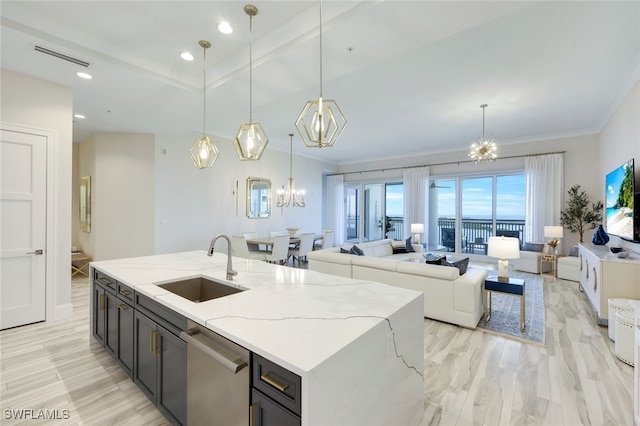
pixel 603 275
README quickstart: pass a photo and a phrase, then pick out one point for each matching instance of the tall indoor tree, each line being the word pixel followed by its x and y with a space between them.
pixel 580 213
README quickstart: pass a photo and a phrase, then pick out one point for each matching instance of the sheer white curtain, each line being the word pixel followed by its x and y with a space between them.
pixel 335 207
pixel 544 190
pixel 415 181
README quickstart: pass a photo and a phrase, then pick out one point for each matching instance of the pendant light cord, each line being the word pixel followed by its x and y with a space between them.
pixel 290 156
pixel 250 69
pixel 320 48
pixel 204 89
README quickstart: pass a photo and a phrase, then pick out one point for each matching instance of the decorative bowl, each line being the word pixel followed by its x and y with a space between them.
pixel 616 249
pixel 292 231
pixel 623 253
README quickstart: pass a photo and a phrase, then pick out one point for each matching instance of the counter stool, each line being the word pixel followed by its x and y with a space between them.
pixel 625 338
pixel 616 305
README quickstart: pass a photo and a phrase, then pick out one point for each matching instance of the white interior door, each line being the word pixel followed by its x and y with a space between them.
pixel 23 225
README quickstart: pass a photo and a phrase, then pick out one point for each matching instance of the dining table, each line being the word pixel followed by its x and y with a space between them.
pixel 269 241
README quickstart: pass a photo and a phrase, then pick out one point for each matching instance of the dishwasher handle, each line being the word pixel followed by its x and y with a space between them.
pixel 213 350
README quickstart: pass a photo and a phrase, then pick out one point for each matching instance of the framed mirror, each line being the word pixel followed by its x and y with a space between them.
pixel 85 204
pixel 258 198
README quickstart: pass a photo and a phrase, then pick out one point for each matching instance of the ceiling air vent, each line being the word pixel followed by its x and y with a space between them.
pixel 61 56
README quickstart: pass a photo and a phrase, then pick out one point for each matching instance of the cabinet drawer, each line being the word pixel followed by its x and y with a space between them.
pixel 278 383
pixel 125 293
pixel 105 280
pixel 265 412
pixel 162 315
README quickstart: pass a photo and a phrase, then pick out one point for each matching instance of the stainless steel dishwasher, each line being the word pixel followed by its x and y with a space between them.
pixel 218 379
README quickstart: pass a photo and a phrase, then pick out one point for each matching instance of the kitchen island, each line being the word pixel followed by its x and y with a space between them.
pixel 357 346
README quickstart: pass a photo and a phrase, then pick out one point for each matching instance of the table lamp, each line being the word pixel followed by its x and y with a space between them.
pixel 504 248
pixel 417 229
pixel 555 233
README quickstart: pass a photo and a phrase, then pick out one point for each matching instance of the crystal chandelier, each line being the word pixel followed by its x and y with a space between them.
pixel 251 139
pixel 291 196
pixel 203 151
pixel 483 149
pixel 321 121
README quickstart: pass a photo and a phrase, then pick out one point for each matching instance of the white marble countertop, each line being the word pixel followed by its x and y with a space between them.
pixel 295 317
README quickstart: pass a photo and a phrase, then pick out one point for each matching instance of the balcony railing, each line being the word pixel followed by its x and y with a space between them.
pixel 475 233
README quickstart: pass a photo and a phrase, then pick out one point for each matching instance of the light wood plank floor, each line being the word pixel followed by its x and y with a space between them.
pixel 471 377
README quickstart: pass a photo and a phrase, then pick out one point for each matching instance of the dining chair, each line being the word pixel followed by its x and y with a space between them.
pixel 249 236
pixel 240 249
pixel 305 246
pixel 280 250
pixel 328 238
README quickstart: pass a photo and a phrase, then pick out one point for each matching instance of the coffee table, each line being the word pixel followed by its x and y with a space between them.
pixel 512 286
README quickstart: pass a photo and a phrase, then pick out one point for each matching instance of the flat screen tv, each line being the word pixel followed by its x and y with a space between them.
pixel 619 203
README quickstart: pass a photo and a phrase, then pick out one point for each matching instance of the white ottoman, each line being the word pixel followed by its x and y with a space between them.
pixel 569 268
pixel 616 305
pixel 625 337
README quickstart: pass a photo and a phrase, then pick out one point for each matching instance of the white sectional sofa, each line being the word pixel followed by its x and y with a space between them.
pixel 449 296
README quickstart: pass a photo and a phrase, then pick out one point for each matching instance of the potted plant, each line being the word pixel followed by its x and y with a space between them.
pixel 580 213
pixel 388 226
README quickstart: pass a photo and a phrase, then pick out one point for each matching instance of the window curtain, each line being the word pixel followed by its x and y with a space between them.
pixel 544 177
pixel 415 181
pixel 335 207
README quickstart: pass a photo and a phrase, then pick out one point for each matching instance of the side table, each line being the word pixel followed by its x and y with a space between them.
pixel 79 261
pixel 514 287
pixel 553 260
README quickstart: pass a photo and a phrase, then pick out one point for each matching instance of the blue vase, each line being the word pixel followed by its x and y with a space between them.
pixel 600 237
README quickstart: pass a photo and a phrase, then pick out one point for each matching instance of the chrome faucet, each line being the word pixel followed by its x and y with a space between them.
pixel 230 272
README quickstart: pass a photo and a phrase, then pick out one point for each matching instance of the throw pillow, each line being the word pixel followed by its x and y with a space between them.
pixel 398 246
pixel 357 250
pixel 461 264
pixel 409 246
pixel 538 247
pixel 343 251
pixel 573 251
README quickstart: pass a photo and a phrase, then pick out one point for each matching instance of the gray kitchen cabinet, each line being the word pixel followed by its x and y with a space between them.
pixel 105 313
pixel 275 394
pixel 160 367
pixel 125 339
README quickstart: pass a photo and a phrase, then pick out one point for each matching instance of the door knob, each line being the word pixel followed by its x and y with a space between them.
pixel 37 252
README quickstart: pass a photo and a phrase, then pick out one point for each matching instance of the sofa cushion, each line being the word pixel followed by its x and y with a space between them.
pixel 344 251
pixel 461 264
pixel 399 246
pixel 537 247
pixel 435 271
pixel 376 263
pixel 408 245
pixel 356 250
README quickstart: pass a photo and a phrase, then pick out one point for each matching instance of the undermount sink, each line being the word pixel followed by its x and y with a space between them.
pixel 199 289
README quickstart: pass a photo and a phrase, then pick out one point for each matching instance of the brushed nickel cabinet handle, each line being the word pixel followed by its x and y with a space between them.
pixel 103 305
pixel 123 307
pixel 587 263
pixel 124 293
pixel 595 279
pixel 153 343
pixel 265 377
pixel 105 281
pixel 581 261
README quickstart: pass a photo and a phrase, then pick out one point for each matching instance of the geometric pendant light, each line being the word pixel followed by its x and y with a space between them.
pixel 203 152
pixel 321 121
pixel 290 196
pixel 483 149
pixel 251 139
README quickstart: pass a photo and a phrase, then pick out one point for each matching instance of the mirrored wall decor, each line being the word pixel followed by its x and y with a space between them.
pixel 85 204
pixel 258 198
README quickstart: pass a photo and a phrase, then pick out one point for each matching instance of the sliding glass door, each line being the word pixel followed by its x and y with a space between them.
pixel 366 215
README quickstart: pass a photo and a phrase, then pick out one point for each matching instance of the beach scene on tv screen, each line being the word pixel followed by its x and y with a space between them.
pixel 619 201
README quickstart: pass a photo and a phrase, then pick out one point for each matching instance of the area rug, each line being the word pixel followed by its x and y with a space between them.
pixel 505 317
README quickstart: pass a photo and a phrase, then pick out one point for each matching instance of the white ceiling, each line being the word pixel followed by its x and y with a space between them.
pixel 409 75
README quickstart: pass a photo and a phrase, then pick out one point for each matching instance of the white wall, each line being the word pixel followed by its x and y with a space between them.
pixel 619 142
pixel 194 205
pixel 122 170
pixel 39 104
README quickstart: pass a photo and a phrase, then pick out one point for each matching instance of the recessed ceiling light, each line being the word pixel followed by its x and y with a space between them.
pixel 84 75
pixel 225 28
pixel 79 116
pixel 187 56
